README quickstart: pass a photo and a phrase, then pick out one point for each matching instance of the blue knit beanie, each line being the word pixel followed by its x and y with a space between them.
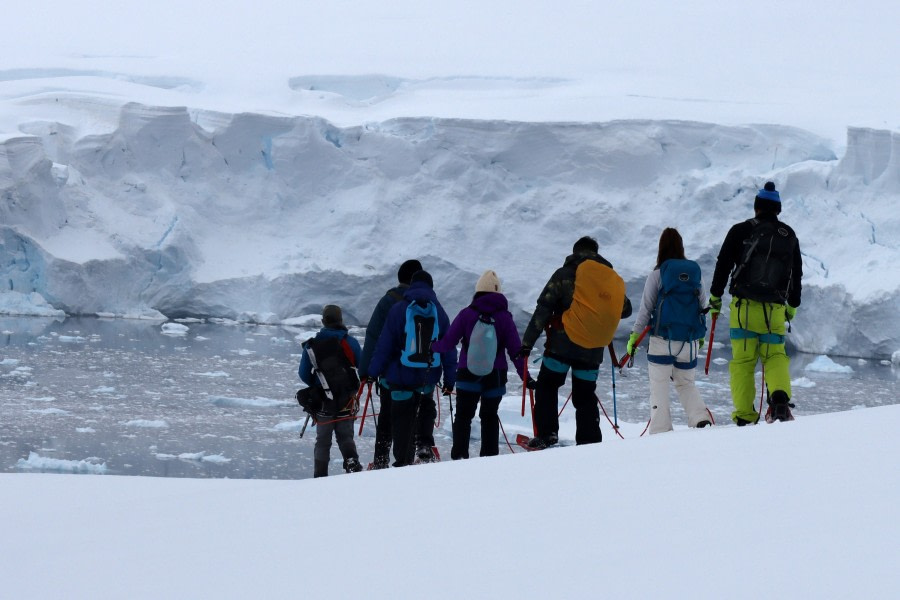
pixel 769 193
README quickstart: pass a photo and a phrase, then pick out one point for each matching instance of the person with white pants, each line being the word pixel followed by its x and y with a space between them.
pixel 669 359
pixel 680 371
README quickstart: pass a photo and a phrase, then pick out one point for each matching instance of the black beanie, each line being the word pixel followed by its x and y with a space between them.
pixel 423 276
pixel 407 269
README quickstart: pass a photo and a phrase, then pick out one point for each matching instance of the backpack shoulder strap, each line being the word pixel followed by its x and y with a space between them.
pixel 348 351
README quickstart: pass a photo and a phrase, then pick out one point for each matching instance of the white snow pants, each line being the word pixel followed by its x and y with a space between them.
pixel 682 358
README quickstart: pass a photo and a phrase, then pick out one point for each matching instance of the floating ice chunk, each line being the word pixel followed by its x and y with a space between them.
pixel 39 463
pixel 49 411
pixel 174 329
pixel 823 364
pixel 895 358
pixel 216 458
pixel 289 426
pixel 212 374
pixel 158 424
pixel 228 402
pixel 803 382
pixel 71 339
pixel 720 361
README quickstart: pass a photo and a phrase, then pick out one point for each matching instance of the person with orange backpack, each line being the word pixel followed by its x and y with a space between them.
pixel 579 308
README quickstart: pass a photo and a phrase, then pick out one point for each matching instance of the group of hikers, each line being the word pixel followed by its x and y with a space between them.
pixel 411 345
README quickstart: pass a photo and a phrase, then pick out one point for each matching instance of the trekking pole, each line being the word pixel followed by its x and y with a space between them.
pixel 629 358
pixel 524 382
pixel 612 356
pixel 511 451
pixel 305 423
pixel 712 333
pixel 362 421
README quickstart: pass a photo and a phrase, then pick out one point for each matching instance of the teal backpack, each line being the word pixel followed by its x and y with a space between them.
pixel 421 330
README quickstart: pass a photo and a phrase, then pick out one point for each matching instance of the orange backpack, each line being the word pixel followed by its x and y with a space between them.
pixel 597 303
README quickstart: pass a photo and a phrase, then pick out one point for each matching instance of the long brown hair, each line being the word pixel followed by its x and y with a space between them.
pixel 670 246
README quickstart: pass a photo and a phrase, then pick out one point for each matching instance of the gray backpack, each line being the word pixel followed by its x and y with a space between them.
pixel 482 350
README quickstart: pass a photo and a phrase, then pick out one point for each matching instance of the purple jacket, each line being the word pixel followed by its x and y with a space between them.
pixel 494 304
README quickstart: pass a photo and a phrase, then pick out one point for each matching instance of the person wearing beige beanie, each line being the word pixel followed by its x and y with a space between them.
pixel 481 377
pixel 488 282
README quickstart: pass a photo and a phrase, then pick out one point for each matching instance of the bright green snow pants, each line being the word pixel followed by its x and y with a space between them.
pixel 757 333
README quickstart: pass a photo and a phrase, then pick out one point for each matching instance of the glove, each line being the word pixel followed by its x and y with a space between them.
pixel 715 304
pixel 523 352
pixel 447 390
pixel 701 342
pixel 632 340
pixel 790 312
pixel 531 383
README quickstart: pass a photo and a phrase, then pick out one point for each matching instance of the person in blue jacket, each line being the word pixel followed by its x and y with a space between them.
pixel 340 422
pixel 412 388
pixel 382 455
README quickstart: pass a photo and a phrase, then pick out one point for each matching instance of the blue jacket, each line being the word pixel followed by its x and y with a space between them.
pixel 305 369
pixel 386 360
pixel 376 324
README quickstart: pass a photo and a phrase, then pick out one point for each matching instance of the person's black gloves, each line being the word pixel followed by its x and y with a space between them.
pixel 531 383
pixel 523 352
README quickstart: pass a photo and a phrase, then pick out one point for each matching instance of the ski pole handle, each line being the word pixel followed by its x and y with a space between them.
pixel 712 333
pixel 628 358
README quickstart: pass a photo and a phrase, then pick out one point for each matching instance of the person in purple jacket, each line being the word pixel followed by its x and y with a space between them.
pixel 488 303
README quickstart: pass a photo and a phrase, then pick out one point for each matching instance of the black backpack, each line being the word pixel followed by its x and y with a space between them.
pixel 334 366
pixel 764 270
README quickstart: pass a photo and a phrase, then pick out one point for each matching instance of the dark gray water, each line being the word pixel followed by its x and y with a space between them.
pixel 119 396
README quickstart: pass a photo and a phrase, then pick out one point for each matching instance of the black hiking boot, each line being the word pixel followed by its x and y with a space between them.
pixel 539 443
pixel 352 465
pixel 741 422
pixel 779 408
pixel 703 424
pixel 424 454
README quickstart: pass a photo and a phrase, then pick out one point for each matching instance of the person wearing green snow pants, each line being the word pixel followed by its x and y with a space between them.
pixel 757 334
pixel 761 256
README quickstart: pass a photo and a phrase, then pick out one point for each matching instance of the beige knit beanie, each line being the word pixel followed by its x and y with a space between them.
pixel 488 282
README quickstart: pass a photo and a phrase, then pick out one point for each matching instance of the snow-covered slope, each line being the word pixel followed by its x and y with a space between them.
pixel 805 509
pixel 147 167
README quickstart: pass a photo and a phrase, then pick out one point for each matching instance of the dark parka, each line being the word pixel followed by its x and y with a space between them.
pixel 733 248
pixel 386 360
pixel 554 300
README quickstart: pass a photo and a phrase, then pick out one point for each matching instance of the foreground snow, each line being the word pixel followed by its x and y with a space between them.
pixel 794 510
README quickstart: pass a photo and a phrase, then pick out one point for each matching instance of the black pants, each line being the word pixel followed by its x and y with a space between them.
pixel 382 458
pixel 408 432
pixel 466 403
pixel 584 399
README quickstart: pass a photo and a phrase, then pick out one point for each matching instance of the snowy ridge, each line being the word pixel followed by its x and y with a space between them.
pixel 167 199
pixel 601 506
